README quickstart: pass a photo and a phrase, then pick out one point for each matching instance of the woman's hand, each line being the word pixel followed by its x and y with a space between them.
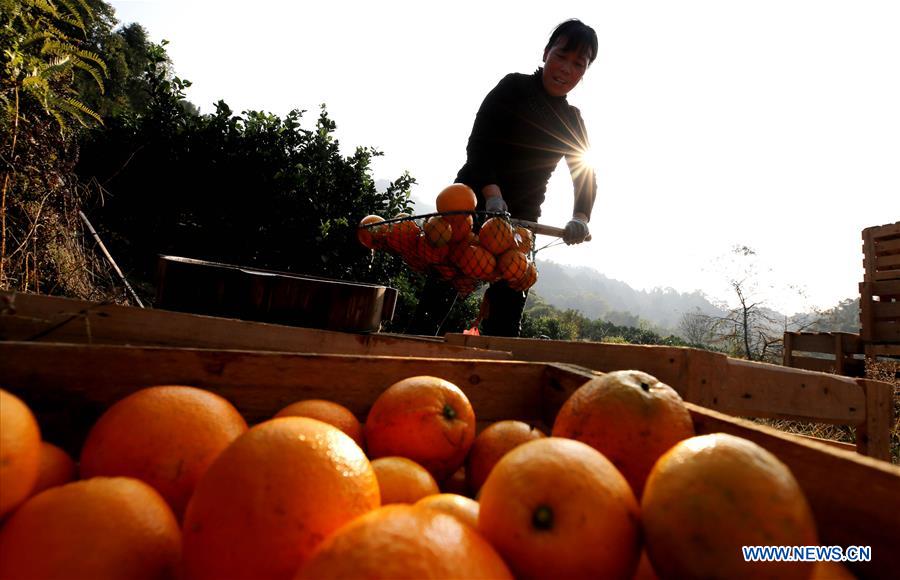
pixel 493 199
pixel 576 231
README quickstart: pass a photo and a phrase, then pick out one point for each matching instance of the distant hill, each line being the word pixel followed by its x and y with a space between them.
pixel 598 296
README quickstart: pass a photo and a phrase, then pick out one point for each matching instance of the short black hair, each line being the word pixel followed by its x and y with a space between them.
pixel 579 36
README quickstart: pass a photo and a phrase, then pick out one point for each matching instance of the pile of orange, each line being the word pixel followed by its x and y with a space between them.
pixel 173 483
pixel 446 244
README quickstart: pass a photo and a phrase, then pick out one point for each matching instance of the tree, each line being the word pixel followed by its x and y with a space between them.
pixel 697 328
pixel 748 329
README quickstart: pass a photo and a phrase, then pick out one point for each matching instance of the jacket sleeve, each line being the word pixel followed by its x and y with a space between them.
pixel 480 168
pixel 584 179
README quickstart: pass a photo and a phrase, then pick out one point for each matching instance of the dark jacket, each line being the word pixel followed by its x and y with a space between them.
pixel 519 136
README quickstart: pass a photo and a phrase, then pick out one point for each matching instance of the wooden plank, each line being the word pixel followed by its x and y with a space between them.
pixel 72 383
pixel 830 442
pixel 855 499
pixel 56 319
pixel 883 247
pixel 787 353
pixel 886 275
pixel 868 254
pixel 714 380
pixel 882 231
pixel 852 367
pixel 888 288
pixel 886 310
pixel 874 435
pixel 887 262
pixel 821 365
pixel 667 364
pixel 764 390
pixel 886 332
pixel 820 342
pixel 866 316
pixel 883 350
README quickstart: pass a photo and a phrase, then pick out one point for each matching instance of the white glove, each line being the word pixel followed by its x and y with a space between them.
pixel 576 231
pixel 495 204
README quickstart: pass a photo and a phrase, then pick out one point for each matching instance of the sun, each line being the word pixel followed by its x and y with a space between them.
pixel 586 160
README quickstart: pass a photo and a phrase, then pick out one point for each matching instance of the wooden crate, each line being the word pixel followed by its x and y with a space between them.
pixel 33 317
pixel 729 385
pixel 843 350
pixel 879 312
pixel 881 252
pixel 855 499
pixel 879 292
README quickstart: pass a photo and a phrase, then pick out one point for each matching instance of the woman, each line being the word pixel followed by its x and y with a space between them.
pixel 524 127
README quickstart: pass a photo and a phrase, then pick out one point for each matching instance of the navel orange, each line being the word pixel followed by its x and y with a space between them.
pixel 404 542
pixel 104 527
pixel 630 417
pixel 20 451
pixel 426 419
pixel 491 445
pixel 166 436
pixel 557 508
pixel 710 495
pixel 271 498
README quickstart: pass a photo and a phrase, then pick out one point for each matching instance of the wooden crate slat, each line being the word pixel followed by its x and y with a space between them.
pixel 706 378
pixel 886 311
pixel 822 365
pixel 883 350
pixel 668 364
pixel 886 332
pixel 56 319
pixel 885 275
pixel 821 342
pixel 883 288
pixel 764 390
pixel 884 231
pixel 890 246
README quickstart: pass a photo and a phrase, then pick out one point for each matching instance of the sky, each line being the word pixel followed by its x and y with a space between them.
pixel 771 124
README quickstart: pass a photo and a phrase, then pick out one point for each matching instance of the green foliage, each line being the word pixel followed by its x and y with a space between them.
pixel 254 189
pixel 542 320
pixel 42 49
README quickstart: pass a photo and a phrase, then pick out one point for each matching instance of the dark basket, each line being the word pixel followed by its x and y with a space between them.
pixel 463 248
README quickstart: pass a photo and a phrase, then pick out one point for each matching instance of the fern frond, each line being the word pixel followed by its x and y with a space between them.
pixel 73 21
pixel 56 68
pixel 78 63
pixel 92 56
pixel 60 120
pixel 45 6
pixel 56 46
pixel 87 8
pixel 35 83
pixel 55 32
pixel 36 37
pixel 73 17
pixel 76 107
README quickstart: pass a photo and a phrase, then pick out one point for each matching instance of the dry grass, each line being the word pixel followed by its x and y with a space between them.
pixel 886 370
pixel 52 254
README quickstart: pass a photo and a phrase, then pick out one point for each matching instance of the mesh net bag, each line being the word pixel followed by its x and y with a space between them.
pixel 464 249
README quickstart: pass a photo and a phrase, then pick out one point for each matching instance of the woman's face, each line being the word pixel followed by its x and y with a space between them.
pixel 563 69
